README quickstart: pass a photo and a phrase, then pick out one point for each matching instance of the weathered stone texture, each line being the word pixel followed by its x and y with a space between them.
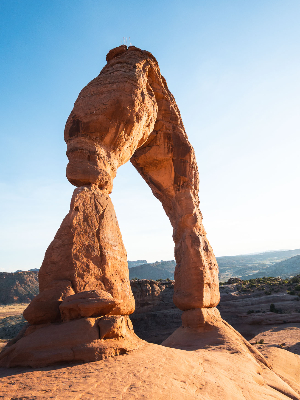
pixel 90 303
pixel 88 250
pixel 78 340
pixel 126 113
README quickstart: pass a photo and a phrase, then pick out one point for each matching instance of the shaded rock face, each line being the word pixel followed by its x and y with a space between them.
pixel 126 113
pixel 156 317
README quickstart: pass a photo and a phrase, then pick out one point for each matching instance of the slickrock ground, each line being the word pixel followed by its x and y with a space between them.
pixel 156 372
pixel 285 364
pixel 285 337
pixel 277 345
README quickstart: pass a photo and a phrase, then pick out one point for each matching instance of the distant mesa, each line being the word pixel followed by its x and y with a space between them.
pixel 283 263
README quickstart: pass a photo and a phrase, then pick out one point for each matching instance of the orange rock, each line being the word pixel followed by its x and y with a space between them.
pixel 200 317
pixel 114 326
pixel 45 306
pixel 71 341
pixel 128 112
pixel 113 115
pixel 87 304
pixel 88 251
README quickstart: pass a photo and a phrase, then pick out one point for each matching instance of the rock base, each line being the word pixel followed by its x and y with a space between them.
pixel 81 340
pixel 204 328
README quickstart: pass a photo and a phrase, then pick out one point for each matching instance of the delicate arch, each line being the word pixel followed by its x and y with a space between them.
pixel 128 112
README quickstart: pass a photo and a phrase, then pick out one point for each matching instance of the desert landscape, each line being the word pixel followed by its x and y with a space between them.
pixel 101 171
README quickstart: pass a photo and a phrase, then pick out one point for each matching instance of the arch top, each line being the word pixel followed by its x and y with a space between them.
pixel 117 51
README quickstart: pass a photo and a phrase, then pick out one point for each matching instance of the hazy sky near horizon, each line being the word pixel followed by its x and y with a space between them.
pixel 233 67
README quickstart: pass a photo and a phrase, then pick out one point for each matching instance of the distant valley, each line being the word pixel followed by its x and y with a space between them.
pixel 157 270
pixel 22 286
pixel 283 263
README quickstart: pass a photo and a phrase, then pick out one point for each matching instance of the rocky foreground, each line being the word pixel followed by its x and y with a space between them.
pixel 210 365
pixel 265 311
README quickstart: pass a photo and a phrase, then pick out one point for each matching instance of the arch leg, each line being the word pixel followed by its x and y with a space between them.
pixel 167 163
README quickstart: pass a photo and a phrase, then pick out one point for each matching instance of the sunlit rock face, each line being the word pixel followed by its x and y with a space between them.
pixel 113 116
pixel 126 113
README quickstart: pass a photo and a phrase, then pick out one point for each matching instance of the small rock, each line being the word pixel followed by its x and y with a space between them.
pixel 90 303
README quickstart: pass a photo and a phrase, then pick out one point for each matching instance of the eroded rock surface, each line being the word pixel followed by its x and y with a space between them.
pixel 126 113
pixel 86 254
pixel 91 303
pixel 80 340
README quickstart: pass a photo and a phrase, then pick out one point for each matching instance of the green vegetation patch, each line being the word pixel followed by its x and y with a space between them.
pixel 269 285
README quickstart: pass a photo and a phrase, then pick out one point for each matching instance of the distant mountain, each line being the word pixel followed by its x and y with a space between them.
pixel 248 266
pixel 136 263
pixel 18 287
pixel 254 265
pixel 284 269
pixel 157 270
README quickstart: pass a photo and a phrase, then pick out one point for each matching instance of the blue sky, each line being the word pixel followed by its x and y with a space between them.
pixel 233 67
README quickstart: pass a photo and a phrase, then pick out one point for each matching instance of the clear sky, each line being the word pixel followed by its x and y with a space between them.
pixel 233 67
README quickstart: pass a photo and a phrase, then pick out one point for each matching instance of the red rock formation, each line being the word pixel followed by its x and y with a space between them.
pixel 86 254
pixel 126 113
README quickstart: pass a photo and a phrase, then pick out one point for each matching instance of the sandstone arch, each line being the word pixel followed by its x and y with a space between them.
pixel 126 113
pixel 129 112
